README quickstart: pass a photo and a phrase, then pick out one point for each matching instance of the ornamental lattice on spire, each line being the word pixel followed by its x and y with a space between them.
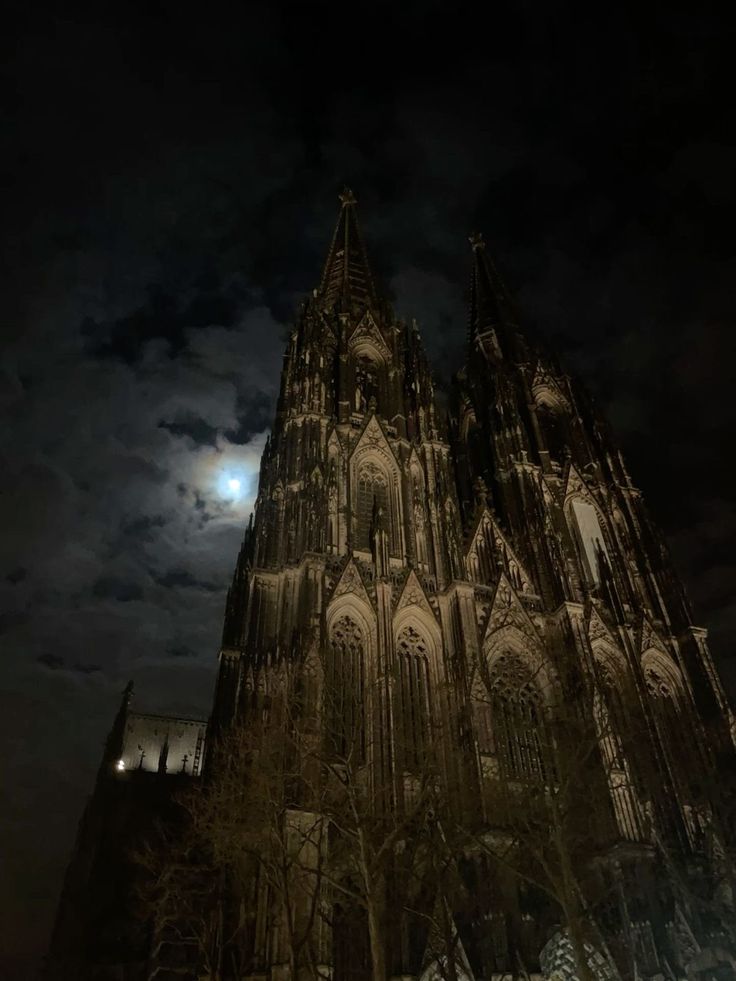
pixel 347 279
pixel 491 308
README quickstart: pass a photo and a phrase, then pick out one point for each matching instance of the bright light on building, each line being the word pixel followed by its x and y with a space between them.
pixel 120 766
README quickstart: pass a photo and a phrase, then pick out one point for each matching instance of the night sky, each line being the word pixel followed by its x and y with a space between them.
pixel 170 188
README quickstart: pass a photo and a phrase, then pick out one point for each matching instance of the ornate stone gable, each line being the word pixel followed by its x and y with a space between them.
pixel 648 638
pixel 574 483
pixel 597 628
pixel 374 438
pixel 367 334
pixel 474 535
pixel 507 610
pixel 334 444
pixel 413 595
pixel 546 390
pixel 414 462
pixel 488 530
pixel 351 581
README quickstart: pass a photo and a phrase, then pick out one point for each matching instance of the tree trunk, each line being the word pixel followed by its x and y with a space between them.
pixel 577 941
pixel 377 945
pixel 569 901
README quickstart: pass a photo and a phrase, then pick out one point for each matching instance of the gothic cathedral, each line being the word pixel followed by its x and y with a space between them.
pixel 513 749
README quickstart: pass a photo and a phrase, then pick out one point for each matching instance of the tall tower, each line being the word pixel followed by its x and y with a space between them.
pixel 357 532
pixel 449 606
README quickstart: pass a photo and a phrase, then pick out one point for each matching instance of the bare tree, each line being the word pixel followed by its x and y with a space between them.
pixel 375 827
pixel 241 842
pixel 556 789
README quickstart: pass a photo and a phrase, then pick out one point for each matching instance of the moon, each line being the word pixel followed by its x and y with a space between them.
pixel 234 485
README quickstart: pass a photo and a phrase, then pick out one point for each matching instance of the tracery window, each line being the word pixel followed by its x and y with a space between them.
pixel 587 529
pixel 608 705
pixel 554 428
pixel 372 486
pixel 413 662
pixel 664 696
pixel 611 726
pixel 516 707
pixel 366 384
pixel 672 721
pixel 345 712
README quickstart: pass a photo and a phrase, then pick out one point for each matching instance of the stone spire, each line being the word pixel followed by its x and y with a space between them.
pixel 347 277
pixel 492 317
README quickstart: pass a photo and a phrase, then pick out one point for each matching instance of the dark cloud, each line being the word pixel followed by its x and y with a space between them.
pixel 196 429
pixel 181 578
pixel 109 587
pixel 170 190
pixel 181 650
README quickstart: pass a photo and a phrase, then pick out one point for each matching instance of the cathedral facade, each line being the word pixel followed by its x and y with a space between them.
pixel 475 628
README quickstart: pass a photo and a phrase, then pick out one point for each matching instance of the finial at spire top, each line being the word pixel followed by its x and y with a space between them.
pixel 476 240
pixel 347 197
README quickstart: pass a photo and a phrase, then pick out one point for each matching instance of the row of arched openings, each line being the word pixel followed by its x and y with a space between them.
pixel 510 718
pixel 346 692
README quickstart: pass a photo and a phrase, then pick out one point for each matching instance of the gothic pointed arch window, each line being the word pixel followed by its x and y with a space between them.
pixel 674 728
pixel 608 702
pixel 412 654
pixel 586 528
pixel 664 693
pixel 612 727
pixel 553 423
pixel 367 385
pixel 345 689
pixel 517 712
pixel 373 485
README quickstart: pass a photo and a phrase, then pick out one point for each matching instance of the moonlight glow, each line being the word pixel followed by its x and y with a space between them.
pixel 227 476
pixel 234 483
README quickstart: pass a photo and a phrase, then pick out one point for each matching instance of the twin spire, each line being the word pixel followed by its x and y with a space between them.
pixel 347 280
pixel 491 307
pixel 347 277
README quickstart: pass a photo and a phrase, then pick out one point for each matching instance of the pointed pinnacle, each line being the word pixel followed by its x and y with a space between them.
pixel 346 197
pixel 476 241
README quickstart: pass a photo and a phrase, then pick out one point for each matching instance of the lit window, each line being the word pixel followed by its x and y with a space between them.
pixel 590 538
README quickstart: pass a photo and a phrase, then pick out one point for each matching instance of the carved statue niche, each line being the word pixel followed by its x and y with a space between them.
pixel 366 384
